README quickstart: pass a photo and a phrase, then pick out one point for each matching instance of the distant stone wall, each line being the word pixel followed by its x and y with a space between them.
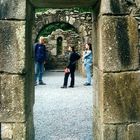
pixel 60 61
pixel 81 21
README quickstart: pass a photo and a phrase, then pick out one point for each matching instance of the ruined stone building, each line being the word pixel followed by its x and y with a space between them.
pixel 116 72
pixel 79 33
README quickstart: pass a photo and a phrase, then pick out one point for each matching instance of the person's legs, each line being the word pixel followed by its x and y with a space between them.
pixel 41 70
pixel 36 72
pixel 72 78
pixel 66 79
pixel 88 73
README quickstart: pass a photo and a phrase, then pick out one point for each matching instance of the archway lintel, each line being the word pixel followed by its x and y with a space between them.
pixel 62 3
pixel 57 36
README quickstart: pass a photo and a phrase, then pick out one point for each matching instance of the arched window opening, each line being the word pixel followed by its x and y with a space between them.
pixel 59 45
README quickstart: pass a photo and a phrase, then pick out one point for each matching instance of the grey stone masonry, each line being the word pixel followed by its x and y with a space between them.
pixel 12 9
pixel 117 75
pixel 118 49
pixel 16 71
pixel 12 50
pixel 12 98
pixel 81 21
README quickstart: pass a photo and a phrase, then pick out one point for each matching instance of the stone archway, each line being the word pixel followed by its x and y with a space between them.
pixel 117 84
pixel 69 36
pixel 80 21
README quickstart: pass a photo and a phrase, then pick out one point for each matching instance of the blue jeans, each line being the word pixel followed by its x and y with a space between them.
pixel 39 69
pixel 88 73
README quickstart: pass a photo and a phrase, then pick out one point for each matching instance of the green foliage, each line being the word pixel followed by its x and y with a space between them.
pixel 82 10
pixel 40 10
pixel 48 29
pixel 138 46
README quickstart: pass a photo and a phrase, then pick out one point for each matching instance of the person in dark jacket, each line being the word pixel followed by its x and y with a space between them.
pixel 40 58
pixel 70 69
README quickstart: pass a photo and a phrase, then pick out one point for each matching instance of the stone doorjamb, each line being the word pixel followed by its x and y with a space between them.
pixel 116 73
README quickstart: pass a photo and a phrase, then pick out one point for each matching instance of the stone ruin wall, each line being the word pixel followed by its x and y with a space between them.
pixel 60 61
pixel 81 21
pixel 116 72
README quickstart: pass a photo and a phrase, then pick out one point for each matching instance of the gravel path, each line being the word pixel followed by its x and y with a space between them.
pixel 62 114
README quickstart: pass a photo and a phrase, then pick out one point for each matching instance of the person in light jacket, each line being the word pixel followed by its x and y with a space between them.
pixel 88 63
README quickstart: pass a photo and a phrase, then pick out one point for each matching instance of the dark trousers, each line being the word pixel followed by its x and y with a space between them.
pixel 72 73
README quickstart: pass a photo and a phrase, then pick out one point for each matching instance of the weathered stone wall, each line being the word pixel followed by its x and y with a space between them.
pixel 116 74
pixel 81 21
pixel 16 82
pixel 60 61
pixel 137 16
pixel 139 39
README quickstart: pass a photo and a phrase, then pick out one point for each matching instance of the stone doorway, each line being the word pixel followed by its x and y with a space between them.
pixel 117 85
pixel 77 122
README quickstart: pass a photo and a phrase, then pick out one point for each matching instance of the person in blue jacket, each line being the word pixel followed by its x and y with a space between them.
pixel 40 58
pixel 71 67
pixel 88 63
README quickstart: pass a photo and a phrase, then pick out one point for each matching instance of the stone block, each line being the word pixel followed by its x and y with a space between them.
pixel 116 7
pixel 118 40
pixel 121 97
pixel 12 9
pixel 97 104
pixel 97 127
pixel 12 100
pixel 115 132
pixel 53 52
pixel 18 131
pixel 137 3
pixel 134 132
pixel 97 88
pixel 12 46
pixel 13 131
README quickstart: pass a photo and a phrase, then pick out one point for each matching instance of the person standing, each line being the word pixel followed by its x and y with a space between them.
pixel 88 63
pixel 40 58
pixel 70 69
pixel 47 54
